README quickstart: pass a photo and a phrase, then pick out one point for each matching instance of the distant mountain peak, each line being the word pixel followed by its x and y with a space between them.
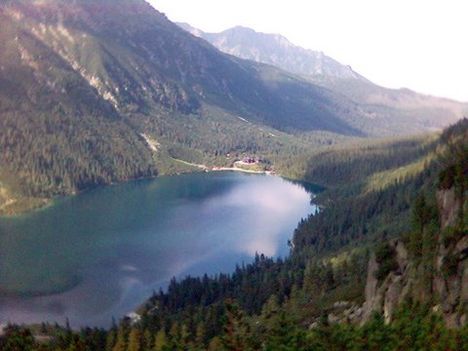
pixel 276 50
pixel 192 30
pixel 242 29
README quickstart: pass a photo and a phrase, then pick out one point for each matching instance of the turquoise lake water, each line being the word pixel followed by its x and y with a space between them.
pixel 100 254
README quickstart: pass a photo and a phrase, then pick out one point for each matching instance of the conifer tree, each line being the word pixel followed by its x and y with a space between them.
pixel 134 340
pixel 160 341
pixel 121 340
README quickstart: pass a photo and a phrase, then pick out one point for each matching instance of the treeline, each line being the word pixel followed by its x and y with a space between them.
pixel 70 155
pixel 290 295
pixel 415 327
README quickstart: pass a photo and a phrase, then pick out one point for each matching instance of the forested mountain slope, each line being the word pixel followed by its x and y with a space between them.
pixel 404 291
pixel 391 110
pixel 95 92
pixel 84 86
pixel 57 133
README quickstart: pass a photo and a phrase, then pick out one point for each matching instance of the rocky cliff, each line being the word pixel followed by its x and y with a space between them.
pixel 441 281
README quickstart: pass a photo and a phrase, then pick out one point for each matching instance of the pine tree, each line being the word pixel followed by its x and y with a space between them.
pixel 121 341
pixel 111 339
pixel 216 344
pixel 235 329
pixel 160 341
pixel 147 340
pixel 200 336
pixel 134 340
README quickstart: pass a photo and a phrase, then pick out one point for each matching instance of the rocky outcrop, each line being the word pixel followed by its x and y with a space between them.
pixel 385 296
pixel 450 283
pixel 446 284
pixel 449 207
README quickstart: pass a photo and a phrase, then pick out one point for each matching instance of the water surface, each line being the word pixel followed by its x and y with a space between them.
pixel 99 255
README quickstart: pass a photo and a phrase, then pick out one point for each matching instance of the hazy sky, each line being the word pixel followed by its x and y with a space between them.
pixel 419 44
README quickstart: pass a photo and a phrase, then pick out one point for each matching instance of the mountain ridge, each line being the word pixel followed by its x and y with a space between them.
pixel 320 69
pixel 274 49
pixel 96 75
pixel 81 82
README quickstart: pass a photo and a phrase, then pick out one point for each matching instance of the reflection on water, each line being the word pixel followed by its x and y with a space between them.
pixel 98 255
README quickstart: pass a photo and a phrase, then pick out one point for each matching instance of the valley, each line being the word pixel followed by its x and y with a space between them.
pixel 90 88
pixel 164 188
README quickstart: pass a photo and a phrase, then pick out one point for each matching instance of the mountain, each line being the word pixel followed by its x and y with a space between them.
pixel 97 92
pixel 396 106
pixel 275 50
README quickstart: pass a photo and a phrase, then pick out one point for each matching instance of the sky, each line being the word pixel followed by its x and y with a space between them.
pixel 418 44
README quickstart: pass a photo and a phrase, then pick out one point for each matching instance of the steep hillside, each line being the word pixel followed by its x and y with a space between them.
pixel 429 264
pixel 85 84
pixel 95 92
pixel 391 111
pixel 139 62
pixel 57 134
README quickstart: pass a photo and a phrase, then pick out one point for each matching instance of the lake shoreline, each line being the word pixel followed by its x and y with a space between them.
pixel 206 168
pixel 204 220
pixel 43 203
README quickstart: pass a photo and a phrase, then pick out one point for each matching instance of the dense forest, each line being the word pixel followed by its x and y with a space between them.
pixel 79 90
pixel 370 189
pixel 415 327
pixel 311 299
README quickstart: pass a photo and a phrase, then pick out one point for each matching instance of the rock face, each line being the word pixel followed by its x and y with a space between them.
pixel 449 207
pixel 385 296
pixel 451 284
pixel 446 289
